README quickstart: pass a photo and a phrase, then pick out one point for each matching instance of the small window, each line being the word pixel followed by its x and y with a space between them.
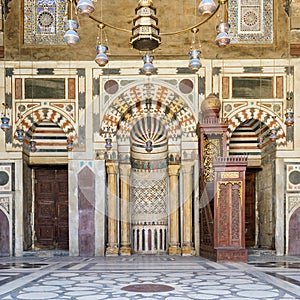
pixel 252 87
pixel 45 88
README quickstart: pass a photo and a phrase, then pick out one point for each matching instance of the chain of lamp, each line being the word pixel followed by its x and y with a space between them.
pixel 145 35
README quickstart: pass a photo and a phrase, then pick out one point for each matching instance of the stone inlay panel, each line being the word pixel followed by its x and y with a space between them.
pixel 251 21
pixel 44 22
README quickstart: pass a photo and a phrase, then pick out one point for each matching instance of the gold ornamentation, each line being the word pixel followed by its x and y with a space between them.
pixel 211 149
pixel 229 175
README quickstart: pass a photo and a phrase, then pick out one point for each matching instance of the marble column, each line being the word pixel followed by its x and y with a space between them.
pixel 112 243
pixel 125 212
pixel 187 245
pixel 174 245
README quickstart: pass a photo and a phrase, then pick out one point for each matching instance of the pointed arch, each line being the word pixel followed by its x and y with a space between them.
pixel 143 99
pixel 56 117
pixel 259 114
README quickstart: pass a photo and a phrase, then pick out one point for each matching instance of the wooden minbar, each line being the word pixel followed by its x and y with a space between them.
pixel 229 209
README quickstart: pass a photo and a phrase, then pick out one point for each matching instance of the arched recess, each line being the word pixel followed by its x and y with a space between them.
pixel 244 139
pixel 261 114
pixel 4 234
pixel 294 233
pixel 31 119
pixel 161 114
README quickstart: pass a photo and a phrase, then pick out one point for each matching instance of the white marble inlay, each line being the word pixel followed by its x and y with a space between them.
pixel 38 296
pixel 261 287
pixel 258 294
pixel 41 288
pixel 94 297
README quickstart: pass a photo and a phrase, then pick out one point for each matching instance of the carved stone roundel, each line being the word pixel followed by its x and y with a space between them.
pixel 4 178
pixel 294 177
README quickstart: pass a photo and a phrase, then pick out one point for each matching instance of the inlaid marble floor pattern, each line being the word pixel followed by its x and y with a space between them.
pixel 148 278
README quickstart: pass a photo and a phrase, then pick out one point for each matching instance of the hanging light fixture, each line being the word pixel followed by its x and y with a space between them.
pixel 207 7
pixel 19 130
pixel 145 33
pixel 32 146
pixel 71 36
pixel 4 119
pixel 108 143
pixel 85 7
pixel 194 54
pixel 260 142
pixel 20 134
pixel 148 68
pixel 289 118
pixel 101 58
pixel 273 134
pixel 273 131
pixel 149 146
pixel 70 144
pixel 223 39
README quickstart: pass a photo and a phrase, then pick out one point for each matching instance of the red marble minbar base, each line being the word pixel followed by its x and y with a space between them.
pixel 231 255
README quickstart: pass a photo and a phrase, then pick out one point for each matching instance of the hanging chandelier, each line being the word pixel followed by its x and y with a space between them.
pixel 145 33
pixel 5 119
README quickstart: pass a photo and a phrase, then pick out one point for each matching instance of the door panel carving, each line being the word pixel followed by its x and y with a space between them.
pixel 51 208
pixel 294 233
pixel 4 235
pixel 250 217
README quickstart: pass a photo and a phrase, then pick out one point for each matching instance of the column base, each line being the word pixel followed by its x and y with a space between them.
pixel 125 250
pixel 112 250
pixel 187 250
pixel 174 249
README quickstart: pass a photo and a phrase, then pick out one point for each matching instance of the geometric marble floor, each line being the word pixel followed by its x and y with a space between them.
pixel 148 278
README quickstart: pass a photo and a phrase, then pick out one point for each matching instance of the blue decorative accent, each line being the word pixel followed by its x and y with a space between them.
pixel 81 164
pixel 90 164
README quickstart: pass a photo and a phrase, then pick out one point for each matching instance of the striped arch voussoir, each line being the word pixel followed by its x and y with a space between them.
pixel 164 103
pixel 257 114
pixel 52 115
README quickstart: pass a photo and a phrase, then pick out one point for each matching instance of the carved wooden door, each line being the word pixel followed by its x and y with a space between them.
pixel 250 208
pixel 294 233
pixel 51 208
pixel 4 235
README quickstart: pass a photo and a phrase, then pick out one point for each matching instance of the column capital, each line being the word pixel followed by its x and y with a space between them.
pixel 111 167
pixel 125 169
pixel 173 170
pixel 187 167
